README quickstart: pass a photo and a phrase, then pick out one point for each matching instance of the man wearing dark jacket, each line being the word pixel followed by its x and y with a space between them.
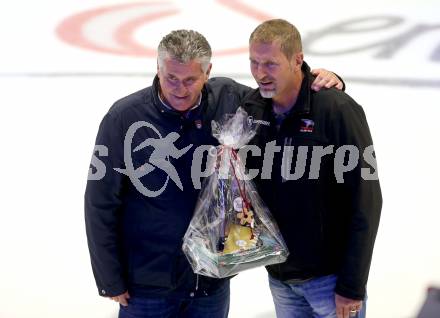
pixel 326 202
pixel 138 210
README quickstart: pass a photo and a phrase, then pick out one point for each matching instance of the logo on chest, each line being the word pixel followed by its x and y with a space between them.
pixel 307 125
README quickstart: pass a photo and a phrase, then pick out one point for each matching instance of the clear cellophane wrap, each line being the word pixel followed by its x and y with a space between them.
pixel 232 229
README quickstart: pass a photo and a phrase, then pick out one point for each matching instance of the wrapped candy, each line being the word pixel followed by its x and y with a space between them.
pixel 232 229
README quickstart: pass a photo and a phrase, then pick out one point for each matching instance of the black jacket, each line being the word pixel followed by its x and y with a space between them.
pixel 329 227
pixel 134 240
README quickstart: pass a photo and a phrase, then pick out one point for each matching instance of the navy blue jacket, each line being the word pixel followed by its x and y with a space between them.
pixel 135 241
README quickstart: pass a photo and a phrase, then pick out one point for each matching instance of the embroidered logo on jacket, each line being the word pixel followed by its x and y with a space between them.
pixel 198 123
pixel 251 121
pixel 307 125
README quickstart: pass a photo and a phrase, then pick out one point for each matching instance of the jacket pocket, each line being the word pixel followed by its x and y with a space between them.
pixel 152 269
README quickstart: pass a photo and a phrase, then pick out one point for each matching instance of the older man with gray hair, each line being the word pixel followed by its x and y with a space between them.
pixel 135 239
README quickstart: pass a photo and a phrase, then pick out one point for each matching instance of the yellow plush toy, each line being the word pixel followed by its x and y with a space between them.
pixel 239 238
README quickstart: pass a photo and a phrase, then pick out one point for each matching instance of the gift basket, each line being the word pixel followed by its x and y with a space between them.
pixel 232 229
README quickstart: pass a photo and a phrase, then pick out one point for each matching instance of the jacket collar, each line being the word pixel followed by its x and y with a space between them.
pixel 302 105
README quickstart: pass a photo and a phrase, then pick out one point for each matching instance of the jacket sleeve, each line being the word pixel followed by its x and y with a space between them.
pixel 102 207
pixel 364 203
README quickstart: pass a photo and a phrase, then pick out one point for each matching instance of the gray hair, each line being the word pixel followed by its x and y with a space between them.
pixel 185 46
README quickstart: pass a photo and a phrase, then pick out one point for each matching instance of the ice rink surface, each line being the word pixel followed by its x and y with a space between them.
pixel 63 64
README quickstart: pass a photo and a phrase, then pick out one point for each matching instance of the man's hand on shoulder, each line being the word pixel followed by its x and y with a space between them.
pixel 325 79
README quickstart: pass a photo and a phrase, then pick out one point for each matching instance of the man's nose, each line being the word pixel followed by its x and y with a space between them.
pixel 260 72
pixel 180 87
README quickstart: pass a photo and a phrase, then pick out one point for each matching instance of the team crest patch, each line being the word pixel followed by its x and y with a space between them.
pixel 198 123
pixel 307 125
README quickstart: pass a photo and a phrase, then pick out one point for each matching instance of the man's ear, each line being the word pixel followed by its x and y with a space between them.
pixel 208 71
pixel 299 58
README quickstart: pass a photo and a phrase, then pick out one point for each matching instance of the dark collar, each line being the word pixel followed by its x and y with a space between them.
pixel 302 104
